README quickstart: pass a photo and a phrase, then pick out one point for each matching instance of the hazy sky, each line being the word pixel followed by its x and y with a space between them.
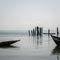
pixel 25 14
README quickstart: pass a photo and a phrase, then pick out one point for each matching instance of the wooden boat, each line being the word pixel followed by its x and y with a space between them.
pixel 56 40
pixel 7 43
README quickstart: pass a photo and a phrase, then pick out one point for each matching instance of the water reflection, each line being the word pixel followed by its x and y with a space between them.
pixel 56 51
pixel 37 40
pixel 49 39
pixel 10 46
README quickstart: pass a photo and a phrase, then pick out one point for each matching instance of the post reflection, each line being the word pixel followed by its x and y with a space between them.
pixel 37 41
pixel 49 38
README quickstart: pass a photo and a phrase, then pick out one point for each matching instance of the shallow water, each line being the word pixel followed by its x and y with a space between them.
pixel 29 48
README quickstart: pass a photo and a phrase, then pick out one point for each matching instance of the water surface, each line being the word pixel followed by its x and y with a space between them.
pixel 29 48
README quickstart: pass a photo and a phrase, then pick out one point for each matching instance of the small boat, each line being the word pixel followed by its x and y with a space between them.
pixel 8 43
pixel 56 40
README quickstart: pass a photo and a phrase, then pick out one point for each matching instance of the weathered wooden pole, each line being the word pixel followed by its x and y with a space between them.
pixel 57 31
pixel 41 31
pixel 48 31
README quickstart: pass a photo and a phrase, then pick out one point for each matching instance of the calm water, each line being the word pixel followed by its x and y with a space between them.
pixel 29 48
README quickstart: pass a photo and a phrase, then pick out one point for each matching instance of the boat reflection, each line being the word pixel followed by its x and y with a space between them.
pixel 9 46
pixel 56 51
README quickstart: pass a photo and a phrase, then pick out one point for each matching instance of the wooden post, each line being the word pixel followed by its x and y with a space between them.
pixel 41 31
pixel 48 31
pixel 57 31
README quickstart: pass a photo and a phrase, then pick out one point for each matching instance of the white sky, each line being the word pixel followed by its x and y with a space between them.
pixel 26 14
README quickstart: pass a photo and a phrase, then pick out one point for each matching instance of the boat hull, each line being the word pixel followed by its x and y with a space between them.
pixel 56 40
